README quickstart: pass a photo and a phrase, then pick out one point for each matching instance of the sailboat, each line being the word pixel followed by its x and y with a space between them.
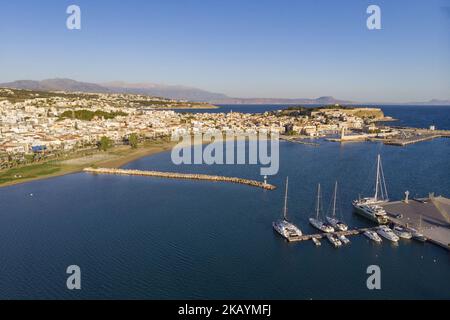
pixel 333 220
pixel 417 233
pixel 371 207
pixel 316 222
pixel 285 228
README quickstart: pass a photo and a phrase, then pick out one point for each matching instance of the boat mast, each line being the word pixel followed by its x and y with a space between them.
pixel 383 187
pixel 334 199
pixel 378 178
pixel 285 199
pixel 318 201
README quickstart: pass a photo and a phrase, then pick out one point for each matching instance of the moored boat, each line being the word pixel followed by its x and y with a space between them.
pixel 317 222
pixel 285 228
pixel 334 240
pixel 370 207
pixel 417 233
pixel 372 235
pixel 402 232
pixel 344 239
pixel 387 233
pixel 316 241
pixel 332 220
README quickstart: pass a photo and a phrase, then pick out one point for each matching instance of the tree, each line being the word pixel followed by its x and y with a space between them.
pixel 105 143
pixel 133 140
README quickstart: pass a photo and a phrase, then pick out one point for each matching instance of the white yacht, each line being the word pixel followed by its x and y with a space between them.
pixel 372 235
pixel 371 211
pixel 402 232
pixel 370 207
pixel 285 228
pixel 333 221
pixel 318 223
pixel 334 240
pixel 387 233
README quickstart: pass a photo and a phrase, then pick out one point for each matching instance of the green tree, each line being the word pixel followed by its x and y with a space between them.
pixel 133 140
pixel 105 143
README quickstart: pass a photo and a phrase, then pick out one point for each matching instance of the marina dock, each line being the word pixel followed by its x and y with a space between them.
pixel 414 139
pixel 433 213
pixel 174 175
pixel 404 137
pixel 411 135
pixel 430 216
pixel 322 235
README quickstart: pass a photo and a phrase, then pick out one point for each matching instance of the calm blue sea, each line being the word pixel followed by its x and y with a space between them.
pixel 137 237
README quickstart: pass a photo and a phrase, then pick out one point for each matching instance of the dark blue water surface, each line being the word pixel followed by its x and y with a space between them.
pixel 137 237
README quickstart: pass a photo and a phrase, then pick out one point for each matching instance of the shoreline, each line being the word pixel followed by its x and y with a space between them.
pixel 114 158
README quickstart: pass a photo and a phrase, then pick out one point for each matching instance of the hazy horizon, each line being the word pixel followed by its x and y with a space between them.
pixel 268 49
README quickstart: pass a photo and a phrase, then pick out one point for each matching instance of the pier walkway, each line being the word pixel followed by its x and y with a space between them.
pixel 429 215
pixel 353 232
pixel 186 176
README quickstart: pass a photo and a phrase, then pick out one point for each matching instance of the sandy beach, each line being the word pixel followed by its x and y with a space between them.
pixel 114 158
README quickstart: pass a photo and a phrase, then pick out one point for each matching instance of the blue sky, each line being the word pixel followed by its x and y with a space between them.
pixel 245 48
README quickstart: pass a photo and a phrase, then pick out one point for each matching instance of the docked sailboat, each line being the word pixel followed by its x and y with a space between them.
pixel 417 233
pixel 333 221
pixel 387 233
pixel 285 228
pixel 370 207
pixel 317 222
pixel 402 232
pixel 372 235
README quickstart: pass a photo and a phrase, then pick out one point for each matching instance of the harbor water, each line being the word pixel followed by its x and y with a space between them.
pixel 152 238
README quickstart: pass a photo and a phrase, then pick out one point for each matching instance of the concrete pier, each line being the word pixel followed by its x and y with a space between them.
pixel 433 211
pixel 174 175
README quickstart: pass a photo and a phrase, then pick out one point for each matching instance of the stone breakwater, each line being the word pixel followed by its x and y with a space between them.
pixel 174 175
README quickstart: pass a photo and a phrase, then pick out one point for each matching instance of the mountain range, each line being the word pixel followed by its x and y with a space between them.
pixel 174 92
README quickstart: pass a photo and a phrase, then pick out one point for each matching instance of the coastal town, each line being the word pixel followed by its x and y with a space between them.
pixel 40 125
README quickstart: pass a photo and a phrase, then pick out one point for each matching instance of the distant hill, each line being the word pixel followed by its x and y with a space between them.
pixel 432 102
pixel 194 94
pixel 178 92
pixel 158 90
pixel 166 91
pixel 321 100
pixel 56 85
